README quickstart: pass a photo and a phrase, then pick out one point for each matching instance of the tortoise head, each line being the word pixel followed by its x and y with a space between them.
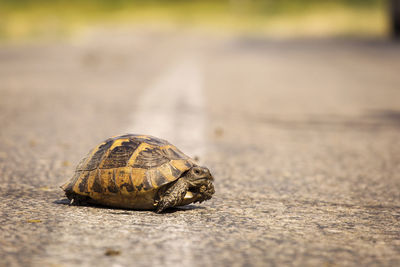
pixel 200 184
pixel 198 176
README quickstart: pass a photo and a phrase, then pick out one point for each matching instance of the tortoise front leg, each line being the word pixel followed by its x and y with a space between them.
pixel 173 196
pixel 206 192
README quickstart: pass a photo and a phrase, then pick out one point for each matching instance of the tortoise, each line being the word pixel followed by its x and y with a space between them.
pixel 138 172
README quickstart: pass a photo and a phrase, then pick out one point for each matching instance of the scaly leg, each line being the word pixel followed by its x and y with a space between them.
pixel 173 196
pixel 206 192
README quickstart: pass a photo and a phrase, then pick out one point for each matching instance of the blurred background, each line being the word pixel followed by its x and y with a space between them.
pixel 45 18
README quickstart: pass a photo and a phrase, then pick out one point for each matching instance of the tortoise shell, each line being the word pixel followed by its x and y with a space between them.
pixel 127 171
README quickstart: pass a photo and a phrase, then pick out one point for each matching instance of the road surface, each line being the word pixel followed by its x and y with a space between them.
pixel 302 137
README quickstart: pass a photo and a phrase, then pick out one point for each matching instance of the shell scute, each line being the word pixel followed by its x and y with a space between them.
pixel 137 178
pixel 120 154
pixel 94 157
pixel 108 181
pixel 172 152
pixel 181 165
pixel 169 172
pixel 81 183
pixel 123 180
pixel 97 185
pixel 154 141
pixel 150 157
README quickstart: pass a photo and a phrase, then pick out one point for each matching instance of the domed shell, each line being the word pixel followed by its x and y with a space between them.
pixel 128 165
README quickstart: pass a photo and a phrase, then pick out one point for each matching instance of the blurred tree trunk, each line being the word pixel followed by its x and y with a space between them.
pixel 395 17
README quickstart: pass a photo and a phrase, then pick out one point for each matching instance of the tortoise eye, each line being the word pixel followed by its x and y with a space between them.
pixel 197 172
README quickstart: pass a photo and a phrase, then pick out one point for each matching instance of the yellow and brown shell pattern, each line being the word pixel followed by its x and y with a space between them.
pixel 127 171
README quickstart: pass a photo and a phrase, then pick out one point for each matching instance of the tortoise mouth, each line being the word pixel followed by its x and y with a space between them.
pixel 192 193
pixel 189 195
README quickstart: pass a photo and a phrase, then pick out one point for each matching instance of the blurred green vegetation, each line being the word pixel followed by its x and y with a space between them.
pixel 22 19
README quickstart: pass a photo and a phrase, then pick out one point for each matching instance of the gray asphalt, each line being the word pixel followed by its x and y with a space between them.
pixel 302 137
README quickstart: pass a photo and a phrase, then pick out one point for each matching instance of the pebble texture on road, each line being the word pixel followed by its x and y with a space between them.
pixel 302 137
